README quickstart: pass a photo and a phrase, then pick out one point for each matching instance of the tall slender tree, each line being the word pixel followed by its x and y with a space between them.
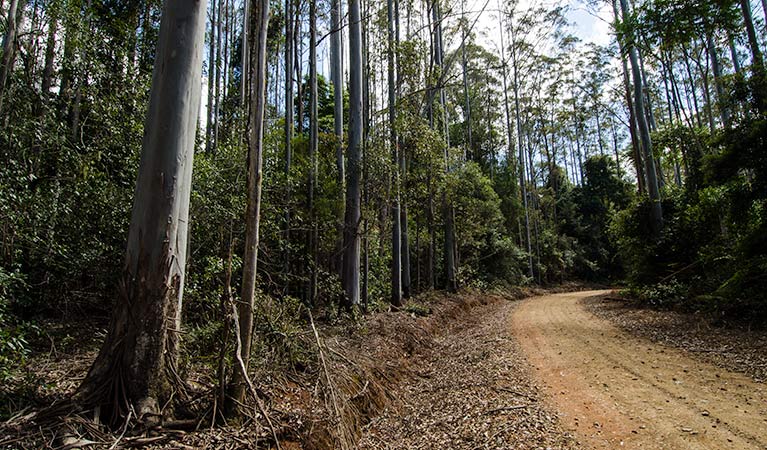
pixel 451 281
pixel 258 24
pixel 351 266
pixel 396 238
pixel 289 4
pixel 336 78
pixel 313 145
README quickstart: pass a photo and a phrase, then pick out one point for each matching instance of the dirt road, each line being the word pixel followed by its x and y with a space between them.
pixel 616 391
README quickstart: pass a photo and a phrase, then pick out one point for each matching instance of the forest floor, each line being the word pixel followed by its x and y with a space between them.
pixel 614 388
pixel 481 371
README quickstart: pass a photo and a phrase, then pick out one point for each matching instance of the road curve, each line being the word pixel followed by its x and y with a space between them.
pixel 617 391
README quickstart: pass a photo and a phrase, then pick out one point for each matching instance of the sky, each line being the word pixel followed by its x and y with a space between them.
pixel 588 25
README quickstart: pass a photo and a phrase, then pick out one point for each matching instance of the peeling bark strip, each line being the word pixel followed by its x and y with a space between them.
pixel 136 365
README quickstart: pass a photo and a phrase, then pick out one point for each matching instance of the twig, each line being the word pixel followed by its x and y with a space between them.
pixel 507 408
pixel 125 428
pixel 521 394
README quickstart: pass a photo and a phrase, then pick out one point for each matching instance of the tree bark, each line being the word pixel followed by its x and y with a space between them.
pixel 298 51
pixel 217 79
pixel 724 110
pixel 288 129
pixel 211 71
pixel 753 41
pixel 336 78
pixel 9 47
pixel 396 237
pixel 733 52
pixel 136 366
pixel 351 266
pixel 366 108
pixel 50 53
pixel 467 103
pixel 258 26
pixel 313 144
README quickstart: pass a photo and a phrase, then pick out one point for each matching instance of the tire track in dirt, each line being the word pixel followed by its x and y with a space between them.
pixel 615 390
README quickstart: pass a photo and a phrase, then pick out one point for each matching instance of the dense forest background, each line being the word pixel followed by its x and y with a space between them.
pixel 535 159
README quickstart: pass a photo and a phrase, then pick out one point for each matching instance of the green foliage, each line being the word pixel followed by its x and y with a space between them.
pixel 664 294
pixel 711 255
pixel 484 250
pixel 14 345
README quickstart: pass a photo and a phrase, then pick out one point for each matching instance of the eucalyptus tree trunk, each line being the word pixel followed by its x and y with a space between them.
pixel 599 133
pixel 136 366
pixel 451 282
pixel 396 237
pixel 366 107
pixel 509 131
pixel 691 79
pixel 288 128
pixel 764 10
pixel 646 91
pixel 245 55
pixel 656 213
pixel 9 44
pixel 351 266
pixel 405 241
pixel 467 104
pixel 669 98
pixel 298 52
pixel 724 110
pixel 757 60
pixel 336 78
pixel 733 52
pixel 641 179
pixel 217 78
pixel 615 150
pixel 521 160
pixel 258 27
pixel 225 69
pixel 753 41
pixel 313 144
pixel 82 79
pixel 577 132
pixel 50 53
pixel 211 71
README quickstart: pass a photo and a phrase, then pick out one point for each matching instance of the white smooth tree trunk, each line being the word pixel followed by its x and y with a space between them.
pixel 136 364
pixel 351 266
